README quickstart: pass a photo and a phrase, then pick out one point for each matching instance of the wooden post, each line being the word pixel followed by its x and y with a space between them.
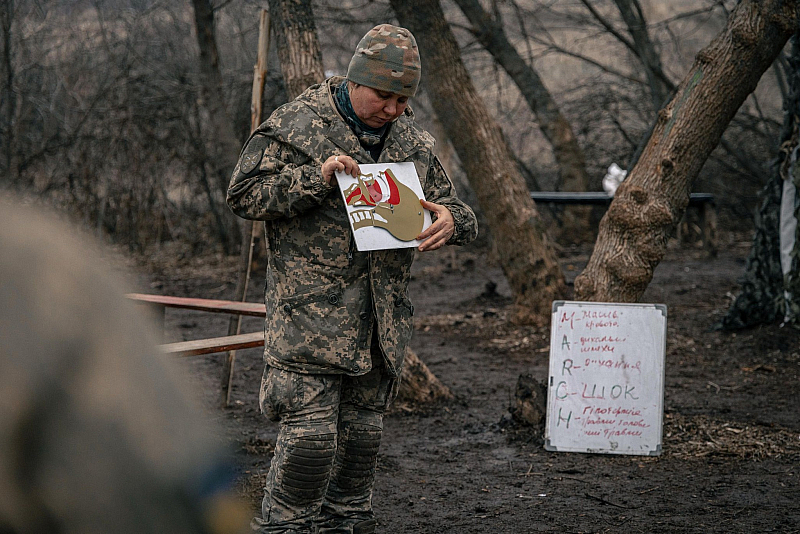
pixel 251 230
pixel 708 223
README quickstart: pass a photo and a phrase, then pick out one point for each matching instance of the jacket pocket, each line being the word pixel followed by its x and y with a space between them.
pixel 403 302
pixel 330 294
pixel 317 328
pixel 280 392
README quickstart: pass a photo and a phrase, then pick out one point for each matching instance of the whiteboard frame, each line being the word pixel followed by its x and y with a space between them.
pixel 660 360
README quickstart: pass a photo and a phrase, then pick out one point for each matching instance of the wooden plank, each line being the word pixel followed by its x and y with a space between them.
pixel 218 344
pixel 254 309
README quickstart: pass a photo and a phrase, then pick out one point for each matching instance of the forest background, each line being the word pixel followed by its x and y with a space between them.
pixel 103 114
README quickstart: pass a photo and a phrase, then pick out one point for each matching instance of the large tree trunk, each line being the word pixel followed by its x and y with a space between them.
pixel 650 203
pixel 220 139
pixel 528 261
pixel 7 96
pixel 301 65
pixel 762 299
pixel 297 44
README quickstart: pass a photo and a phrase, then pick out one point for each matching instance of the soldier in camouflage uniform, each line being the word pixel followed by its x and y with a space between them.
pixel 338 320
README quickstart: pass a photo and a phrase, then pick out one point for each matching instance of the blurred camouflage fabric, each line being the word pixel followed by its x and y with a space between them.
pixel 97 434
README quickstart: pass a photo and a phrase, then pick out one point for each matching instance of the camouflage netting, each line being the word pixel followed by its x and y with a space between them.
pixel 791 277
pixel 771 293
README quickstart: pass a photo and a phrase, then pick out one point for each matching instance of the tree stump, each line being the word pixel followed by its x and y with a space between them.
pixel 531 402
pixel 418 385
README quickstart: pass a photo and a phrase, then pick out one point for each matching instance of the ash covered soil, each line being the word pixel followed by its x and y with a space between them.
pixel 731 439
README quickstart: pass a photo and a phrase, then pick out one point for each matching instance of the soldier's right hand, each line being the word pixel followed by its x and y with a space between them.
pixel 339 163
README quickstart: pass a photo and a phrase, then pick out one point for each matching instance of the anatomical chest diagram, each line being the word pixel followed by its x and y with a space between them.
pixel 383 205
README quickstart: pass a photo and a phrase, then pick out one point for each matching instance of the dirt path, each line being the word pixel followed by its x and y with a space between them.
pixel 731 423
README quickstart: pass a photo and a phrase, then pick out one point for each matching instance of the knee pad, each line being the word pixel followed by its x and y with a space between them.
pixel 305 469
pixel 356 456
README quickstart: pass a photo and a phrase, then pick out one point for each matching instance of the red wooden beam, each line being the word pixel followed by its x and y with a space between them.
pixel 218 344
pixel 254 309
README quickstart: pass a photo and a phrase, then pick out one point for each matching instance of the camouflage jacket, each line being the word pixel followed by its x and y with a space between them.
pixel 322 295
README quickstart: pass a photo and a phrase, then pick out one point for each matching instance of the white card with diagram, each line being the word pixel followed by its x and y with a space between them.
pixel 383 206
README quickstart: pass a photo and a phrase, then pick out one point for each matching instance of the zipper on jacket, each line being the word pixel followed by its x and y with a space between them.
pixel 350 249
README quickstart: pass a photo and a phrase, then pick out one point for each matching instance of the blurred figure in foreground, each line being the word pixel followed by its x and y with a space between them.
pixel 96 433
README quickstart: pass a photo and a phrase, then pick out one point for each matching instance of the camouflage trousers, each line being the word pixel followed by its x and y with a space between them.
pixel 323 470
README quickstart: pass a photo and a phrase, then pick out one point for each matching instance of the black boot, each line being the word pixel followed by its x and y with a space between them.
pixel 365 527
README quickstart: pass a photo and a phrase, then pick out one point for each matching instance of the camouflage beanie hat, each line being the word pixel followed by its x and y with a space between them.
pixel 387 59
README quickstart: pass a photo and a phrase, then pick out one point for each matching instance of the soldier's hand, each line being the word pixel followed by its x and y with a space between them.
pixel 437 234
pixel 344 164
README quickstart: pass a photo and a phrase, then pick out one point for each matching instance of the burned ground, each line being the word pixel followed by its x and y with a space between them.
pixel 731 441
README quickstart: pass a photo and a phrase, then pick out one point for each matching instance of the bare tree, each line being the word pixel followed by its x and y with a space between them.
pixel 297 44
pixel 555 127
pixel 7 98
pixel 641 46
pixel 552 123
pixel 738 157
pixel 96 103
pixel 527 259
pixel 103 99
pixel 649 204
pixel 222 141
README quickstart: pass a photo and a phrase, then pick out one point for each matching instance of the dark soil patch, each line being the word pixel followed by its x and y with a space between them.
pixel 731 425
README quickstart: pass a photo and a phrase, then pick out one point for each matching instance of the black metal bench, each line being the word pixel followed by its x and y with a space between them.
pixel 704 202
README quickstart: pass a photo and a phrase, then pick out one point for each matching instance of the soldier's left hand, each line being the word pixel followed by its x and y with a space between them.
pixel 437 234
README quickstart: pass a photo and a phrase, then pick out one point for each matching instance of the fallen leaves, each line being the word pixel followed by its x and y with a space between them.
pixel 701 436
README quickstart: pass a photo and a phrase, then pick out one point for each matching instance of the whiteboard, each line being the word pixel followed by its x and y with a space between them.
pixel 606 378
